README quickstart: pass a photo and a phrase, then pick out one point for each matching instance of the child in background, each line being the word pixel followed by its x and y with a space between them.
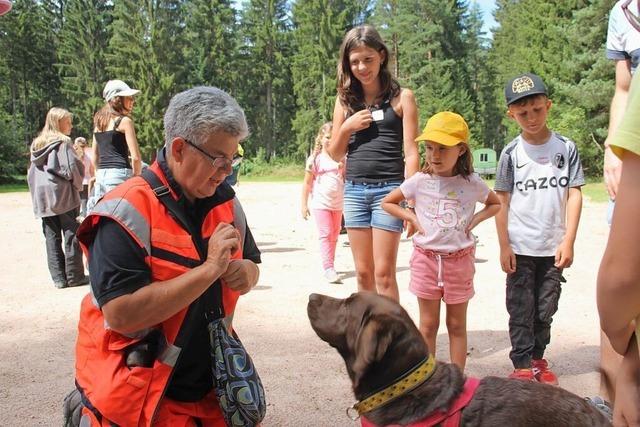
pixel 84 153
pixel 538 182
pixel 324 180
pixel 445 194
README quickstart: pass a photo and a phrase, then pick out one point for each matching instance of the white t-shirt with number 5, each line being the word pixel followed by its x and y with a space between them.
pixel 444 207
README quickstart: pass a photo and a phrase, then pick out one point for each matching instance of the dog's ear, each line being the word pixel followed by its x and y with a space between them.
pixel 372 342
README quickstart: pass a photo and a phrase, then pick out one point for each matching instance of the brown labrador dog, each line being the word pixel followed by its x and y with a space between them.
pixel 379 343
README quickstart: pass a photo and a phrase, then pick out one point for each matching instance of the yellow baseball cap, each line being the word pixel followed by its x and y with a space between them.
pixel 445 128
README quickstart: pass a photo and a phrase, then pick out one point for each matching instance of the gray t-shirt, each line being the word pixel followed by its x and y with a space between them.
pixel 538 178
pixel 623 40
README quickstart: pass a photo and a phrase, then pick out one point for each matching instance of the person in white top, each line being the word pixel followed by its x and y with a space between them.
pixel 445 194
pixel 324 181
pixel 538 182
pixel 623 47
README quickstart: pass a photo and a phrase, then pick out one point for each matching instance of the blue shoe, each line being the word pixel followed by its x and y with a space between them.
pixel 601 405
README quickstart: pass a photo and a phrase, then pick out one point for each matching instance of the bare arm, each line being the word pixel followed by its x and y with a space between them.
pixel 564 253
pixel 491 208
pixel 612 165
pixel 619 275
pixel 94 153
pixel 410 132
pixel 306 190
pixel 391 204
pixel 507 257
pixel 132 143
pixel 156 302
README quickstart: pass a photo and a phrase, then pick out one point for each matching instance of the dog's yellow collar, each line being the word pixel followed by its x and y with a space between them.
pixel 408 382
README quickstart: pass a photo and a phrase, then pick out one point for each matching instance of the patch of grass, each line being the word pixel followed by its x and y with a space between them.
pixel 595 191
pixel 14 184
pixel 270 178
pixel 270 172
pixel 13 188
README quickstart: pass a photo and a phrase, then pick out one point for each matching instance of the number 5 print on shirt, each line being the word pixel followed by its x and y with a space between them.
pixel 447 213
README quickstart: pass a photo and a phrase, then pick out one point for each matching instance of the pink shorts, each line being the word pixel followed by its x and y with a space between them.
pixel 436 275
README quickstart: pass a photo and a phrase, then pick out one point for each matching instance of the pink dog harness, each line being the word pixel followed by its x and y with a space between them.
pixel 450 418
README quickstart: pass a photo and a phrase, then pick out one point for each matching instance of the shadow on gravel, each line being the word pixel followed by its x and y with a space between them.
pixel 481 344
pixel 351 273
pixel 277 250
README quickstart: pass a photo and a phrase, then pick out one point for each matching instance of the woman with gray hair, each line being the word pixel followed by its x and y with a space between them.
pixel 148 270
pixel 55 179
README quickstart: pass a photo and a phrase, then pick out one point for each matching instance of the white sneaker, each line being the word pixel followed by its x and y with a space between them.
pixel 331 275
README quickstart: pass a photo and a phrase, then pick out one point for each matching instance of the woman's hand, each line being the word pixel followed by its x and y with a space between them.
pixel 223 242
pixel 241 275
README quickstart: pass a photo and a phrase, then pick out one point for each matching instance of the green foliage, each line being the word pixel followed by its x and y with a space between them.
pixel 563 42
pixel 144 52
pixel 81 59
pixel 28 49
pixel 265 29
pixel 278 58
pixel 209 50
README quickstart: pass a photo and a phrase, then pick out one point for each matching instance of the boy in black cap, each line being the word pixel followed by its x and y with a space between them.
pixel 538 182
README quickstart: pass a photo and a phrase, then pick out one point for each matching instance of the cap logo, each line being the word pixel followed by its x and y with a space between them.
pixel 522 84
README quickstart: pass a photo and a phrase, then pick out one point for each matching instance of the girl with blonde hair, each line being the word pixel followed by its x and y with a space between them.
pixel 55 179
pixel 324 181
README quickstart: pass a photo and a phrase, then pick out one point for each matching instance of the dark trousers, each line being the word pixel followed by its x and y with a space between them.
pixel 533 292
pixel 64 265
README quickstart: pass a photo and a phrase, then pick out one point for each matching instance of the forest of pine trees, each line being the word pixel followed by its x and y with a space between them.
pixel 278 58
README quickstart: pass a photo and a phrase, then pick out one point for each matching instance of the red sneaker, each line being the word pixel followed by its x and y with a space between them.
pixel 525 374
pixel 542 372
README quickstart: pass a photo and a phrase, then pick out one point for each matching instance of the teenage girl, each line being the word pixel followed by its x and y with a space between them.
pixel 324 180
pixel 375 123
pixel 442 263
pixel 114 140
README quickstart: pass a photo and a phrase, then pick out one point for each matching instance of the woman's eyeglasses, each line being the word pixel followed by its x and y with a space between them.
pixel 218 162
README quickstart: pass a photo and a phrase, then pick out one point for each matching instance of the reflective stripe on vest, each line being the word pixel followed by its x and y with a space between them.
pixel 126 214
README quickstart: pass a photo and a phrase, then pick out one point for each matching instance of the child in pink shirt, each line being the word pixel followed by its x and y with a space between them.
pixel 445 195
pixel 324 180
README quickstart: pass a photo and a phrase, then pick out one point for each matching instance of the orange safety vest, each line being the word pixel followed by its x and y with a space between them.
pixel 130 396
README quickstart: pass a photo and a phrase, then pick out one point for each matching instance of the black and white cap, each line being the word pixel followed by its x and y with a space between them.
pixel 522 86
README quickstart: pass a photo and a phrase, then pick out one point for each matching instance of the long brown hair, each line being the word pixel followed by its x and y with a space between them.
pixel 51 133
pixel 463 167
pixel 113 108
pixel 350 90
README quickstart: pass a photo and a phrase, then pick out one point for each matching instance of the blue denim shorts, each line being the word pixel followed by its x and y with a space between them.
pixel 362 206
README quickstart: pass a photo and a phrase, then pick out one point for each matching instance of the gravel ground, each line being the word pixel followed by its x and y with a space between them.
pixel 305 380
